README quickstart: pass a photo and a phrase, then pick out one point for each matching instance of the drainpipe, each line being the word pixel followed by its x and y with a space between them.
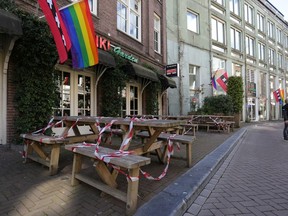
pixel 179 60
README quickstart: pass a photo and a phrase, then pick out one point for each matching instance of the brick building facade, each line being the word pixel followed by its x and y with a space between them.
pixel 134 29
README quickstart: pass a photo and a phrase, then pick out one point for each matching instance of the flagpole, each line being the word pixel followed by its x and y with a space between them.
pixel 70 5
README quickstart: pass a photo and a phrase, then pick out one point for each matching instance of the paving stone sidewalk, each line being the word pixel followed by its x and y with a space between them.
pixel 252 180
pixel 27 189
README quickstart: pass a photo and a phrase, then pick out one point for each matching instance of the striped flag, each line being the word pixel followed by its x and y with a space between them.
pixel 59 32
pixel 222 81
pixel 277 95
pixel 78 21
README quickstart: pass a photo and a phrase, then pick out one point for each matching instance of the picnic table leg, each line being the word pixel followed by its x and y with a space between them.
pixel 189 155
pixel 54 160
pixel 132 191
pixel 77 164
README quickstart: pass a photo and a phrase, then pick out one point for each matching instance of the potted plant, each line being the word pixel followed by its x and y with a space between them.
pixel 235 91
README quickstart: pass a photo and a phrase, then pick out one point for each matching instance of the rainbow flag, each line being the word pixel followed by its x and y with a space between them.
pixel 78 21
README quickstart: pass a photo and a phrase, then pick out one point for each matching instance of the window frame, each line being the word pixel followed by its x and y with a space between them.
pixel 250 45
pixel 260 22
pixel 128 20
pixel 233 39
pixel 217 32
pixel 234 6
pixel 157 30
pixel 196 28
pixel 261 51
pixel 248 14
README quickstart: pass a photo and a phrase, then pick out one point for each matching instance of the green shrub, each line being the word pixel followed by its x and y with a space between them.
pixel 235 91
pixel 220 104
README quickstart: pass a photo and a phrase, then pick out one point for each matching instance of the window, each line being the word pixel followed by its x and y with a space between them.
pixel 250 46
pixel 129 17
pixel 280 60
pixel 286 40
pixel 219 2
pixel 93 6
pixel 130 100
pixel 248 13
pixel 236 69
pixel 218 31
pixel 271 56
pixel 192 21
pixel 260 22
pixel 270 29
pixel 234 7
pixel 75 91
pixel 261 51
pixel 235 39
pixel 278 35
pixel 194 87
pixel 157 34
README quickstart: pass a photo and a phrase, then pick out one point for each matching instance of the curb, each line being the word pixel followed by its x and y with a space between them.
pixel 175 199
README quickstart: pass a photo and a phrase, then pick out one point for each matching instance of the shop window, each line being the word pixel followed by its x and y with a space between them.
pixel 130 100
pixel 74 94
pixel 84 95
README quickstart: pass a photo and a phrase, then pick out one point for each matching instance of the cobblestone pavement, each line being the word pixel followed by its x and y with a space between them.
pixel 27 189
pixel 252 180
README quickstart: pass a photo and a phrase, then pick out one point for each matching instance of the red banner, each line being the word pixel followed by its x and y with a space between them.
pixel 59 32
pixel 222 80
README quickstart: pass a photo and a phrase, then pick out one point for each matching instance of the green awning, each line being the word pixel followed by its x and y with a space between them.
pixel 10 24
pixel 106 58
pixel 167 82
pixel 140 71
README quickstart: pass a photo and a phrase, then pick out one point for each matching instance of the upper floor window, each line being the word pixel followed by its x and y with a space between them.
pixel 260 22
pixel 286 40
pixel 270 29
pixel 192 21
pixel 157 34
pixel 250 45
pixel 261 51
pixel 218 31
pixel 271 56
pixel 280 60
pixel 235 39
pixel 129 17
pixel 248 13
pixel 278 35
pixel 234 7
pixel 92 5
pixel 221 2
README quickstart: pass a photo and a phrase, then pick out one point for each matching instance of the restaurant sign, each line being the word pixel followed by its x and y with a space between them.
pixel 104 44
pixel 172 70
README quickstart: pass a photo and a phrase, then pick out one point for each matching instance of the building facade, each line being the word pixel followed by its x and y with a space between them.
pixel 244 38
pixel 132 29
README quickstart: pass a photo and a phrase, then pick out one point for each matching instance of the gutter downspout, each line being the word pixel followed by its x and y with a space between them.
pixel 179 60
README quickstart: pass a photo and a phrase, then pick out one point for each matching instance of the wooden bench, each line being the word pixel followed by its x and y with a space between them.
pixel 36 142
pixel 183 139
pixel 49 156
pixel 225 126
pixel 108 184
pixel 189 127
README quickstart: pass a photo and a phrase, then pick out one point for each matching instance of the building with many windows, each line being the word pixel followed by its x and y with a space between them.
pixel 132 29
pixel 244 38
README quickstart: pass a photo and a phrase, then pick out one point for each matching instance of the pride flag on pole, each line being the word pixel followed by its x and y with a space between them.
pixel 78 21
